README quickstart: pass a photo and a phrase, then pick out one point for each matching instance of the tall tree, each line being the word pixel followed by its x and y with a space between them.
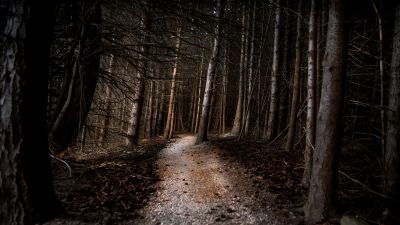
pixel 296 83
pixel 225 72
pixel 198 100
pixel 82 71
pixel 107 101
pixel 250 69
pixel 381 73
pixel 391 175
pixel 284 71
pixel 322 194
pixel 311 92
pixel 212 68
pixel 168 127
pixel 321 20
pixel 27 194
pixel 271 130
pixel 132 137
pixel 237 123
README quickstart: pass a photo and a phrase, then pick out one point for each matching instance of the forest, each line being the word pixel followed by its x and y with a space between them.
pixel 200 112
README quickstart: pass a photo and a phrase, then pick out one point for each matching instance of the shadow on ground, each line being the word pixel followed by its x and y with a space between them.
pixel 108 188
pixel 274 172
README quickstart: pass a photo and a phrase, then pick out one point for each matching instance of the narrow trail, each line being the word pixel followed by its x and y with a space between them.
pixel 199 185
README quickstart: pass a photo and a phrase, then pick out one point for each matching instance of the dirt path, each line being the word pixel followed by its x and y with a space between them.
pixel 200 185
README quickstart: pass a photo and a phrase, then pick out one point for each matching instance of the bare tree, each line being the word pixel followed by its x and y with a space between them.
pixel 237 123
pixel 106 121
pixel 225 72
pixel 82 72
pixel 271 130
pixel 212 68
pixel 250 79
pixel 198 99
pixel 168 127
pixel 132 137
pixel 296 83
pixel 311 93
pixel 391 173
pixel 27 194
pixel 322 194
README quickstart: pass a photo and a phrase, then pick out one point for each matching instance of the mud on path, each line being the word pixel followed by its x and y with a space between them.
pixel 201 185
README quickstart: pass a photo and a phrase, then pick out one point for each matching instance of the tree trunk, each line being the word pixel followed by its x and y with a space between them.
pixel 156 108
pixel 260 106
pixel 285 75
pixel 391 159
pixel 251 70
pixel 212 67
pixel 296 84
pixel 237 124
pixel 320 46
pixel 381 74
pixel 199 88
pixel 274 75
pixel 132 137
pixel 106 121
pixel 311 93
pixel 225 72
pixel 73 108
pixel 212 106
pixel 168 127
pixel 322 194
pixel 193 98
pixel 27 194
pixel 161 105
pixel 194 110
pixel 83 138
pixel 173 120
pixel 149 112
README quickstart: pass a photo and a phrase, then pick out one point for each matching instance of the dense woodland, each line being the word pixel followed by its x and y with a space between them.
pixel 320 77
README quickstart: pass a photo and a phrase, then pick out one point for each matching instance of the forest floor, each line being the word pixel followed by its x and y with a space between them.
pixel 223 181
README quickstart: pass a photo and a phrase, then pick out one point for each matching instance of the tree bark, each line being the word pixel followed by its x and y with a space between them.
pixel 381 75
pixel 274 75
pixel 320 46
pixel 311 93
pixel 285 75
pixel 296 83
pixel 237 123
pixel 168 127
pixel 27 194
pixel 149 111
pixel 132 137
pixel 193 97
pixel 212 67
pixel 106 121
pixel 322 194
pixel 157 102
pixel 199 88
pixel 391 173
pixel 251 71
pixel 225 72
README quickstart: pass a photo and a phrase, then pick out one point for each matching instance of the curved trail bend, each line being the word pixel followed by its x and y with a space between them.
pixel 199 185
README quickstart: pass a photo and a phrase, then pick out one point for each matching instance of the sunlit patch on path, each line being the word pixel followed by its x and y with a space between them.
pixel 199 186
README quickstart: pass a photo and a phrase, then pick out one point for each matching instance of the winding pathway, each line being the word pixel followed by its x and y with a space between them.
pixel 199 185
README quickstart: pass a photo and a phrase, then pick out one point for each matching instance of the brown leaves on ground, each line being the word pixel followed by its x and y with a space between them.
pixel 110 187
pixel 275 172
pixel 278 172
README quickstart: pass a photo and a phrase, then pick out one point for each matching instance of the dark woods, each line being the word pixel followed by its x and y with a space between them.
pixel 321 75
